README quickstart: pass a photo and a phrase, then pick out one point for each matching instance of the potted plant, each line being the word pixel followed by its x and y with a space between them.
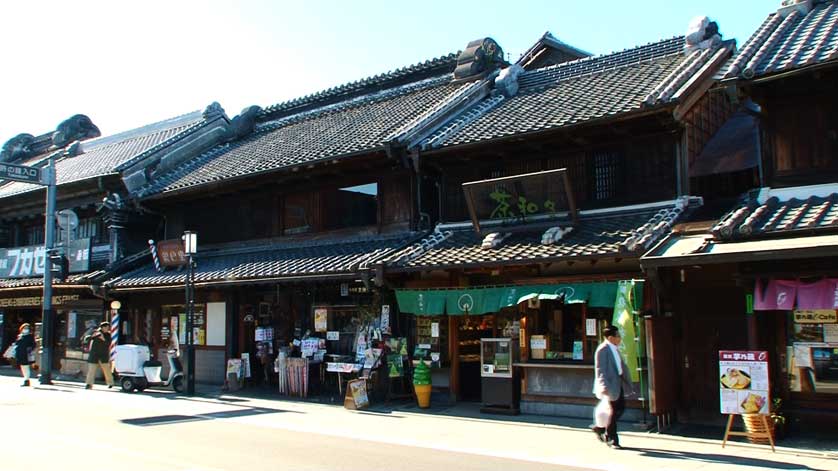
pixel 776 423
pixel 422 384
pixel 776 419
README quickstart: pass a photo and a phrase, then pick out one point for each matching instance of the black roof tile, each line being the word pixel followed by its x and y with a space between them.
pixel 788 40
pixel 580 91
pixel 621 232
pixel 253 262
pixel 775 217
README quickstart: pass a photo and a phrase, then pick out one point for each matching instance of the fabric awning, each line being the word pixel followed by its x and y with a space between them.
pixel 734 147
pixel 483 300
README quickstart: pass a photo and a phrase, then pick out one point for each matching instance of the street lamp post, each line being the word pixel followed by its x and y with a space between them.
pixel 190 246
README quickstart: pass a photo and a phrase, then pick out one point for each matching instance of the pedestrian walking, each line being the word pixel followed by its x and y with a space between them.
pixel 25 351
pixel 99 344
pixel 611 385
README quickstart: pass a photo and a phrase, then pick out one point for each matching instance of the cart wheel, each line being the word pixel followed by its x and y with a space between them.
pixel 127 384
pixel 177 383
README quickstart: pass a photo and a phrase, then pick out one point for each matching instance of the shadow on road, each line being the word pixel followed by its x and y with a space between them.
pixel 718 459
pixel 228 414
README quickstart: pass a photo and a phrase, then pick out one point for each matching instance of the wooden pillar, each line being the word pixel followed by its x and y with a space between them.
pixel 454 351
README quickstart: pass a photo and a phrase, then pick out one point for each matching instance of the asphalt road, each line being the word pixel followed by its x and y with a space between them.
pixel 67 428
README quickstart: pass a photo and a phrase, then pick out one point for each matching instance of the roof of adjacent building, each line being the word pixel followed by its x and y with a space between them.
pixel 102 156
pixel 781 212
pixel 614 232
pixel 794 37
pixel 585 90
pixel 348 120
pixel 272 261
pixel 78 279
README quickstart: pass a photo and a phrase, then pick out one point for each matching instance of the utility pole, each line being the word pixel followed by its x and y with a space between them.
pixel 44 177
pixel 48 319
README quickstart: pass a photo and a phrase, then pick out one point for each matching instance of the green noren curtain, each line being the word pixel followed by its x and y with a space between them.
pixel 478 301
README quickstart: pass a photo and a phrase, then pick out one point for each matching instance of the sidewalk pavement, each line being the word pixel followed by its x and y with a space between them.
pixel 461 428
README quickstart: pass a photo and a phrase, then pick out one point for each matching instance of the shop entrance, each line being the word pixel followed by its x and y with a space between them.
pixel 470 329
pixel 708 324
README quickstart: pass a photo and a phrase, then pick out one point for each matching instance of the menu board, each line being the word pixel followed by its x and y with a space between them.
pixel 743 382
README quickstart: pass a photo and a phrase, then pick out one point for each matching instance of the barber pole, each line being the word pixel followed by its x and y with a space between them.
pixel 154 256
pixel 114 332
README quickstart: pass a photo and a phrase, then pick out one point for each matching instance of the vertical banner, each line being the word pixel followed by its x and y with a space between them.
pixel 624 320
pixel 114 332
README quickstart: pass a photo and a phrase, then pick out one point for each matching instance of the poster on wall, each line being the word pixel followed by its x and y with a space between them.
pixel 321 319
pixel 385 318
pixel 743 382
pixel 246 364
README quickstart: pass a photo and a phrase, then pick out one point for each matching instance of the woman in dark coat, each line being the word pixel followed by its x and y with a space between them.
pixel 24 345
pixel 99 356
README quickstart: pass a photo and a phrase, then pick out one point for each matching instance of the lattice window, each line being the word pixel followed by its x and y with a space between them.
pixel 605 175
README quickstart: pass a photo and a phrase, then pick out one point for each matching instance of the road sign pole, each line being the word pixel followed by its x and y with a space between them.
pixel 48 319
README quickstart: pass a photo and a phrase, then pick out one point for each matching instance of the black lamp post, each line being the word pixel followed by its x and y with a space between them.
pixel 190 246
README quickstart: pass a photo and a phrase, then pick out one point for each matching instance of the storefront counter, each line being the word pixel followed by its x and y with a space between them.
pixel 561 389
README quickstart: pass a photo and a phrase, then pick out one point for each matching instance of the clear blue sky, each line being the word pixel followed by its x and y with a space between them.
pixel 126 64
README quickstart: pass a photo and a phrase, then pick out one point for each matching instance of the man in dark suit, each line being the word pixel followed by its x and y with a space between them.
pixel 612 381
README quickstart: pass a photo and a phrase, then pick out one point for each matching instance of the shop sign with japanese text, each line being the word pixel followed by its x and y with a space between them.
pixel 22 262
pixel 816 316
pixel 36 300
pixel 171 253
pixel 20 173
pixel 743 382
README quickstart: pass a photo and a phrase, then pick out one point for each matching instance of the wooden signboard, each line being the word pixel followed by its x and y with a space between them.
pixel 356 395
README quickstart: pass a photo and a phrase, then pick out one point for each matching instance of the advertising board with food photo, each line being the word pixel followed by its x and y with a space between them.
pixel 743 382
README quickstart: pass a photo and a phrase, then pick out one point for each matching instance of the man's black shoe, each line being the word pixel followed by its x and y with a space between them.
pixel 614 446
pixel 25 384
pixel 600 433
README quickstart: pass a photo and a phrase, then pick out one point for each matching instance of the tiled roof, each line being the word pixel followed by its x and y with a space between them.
pixel 102 156
pixel 360 124
pixel 617 232
pixel 290 261
pixel 39 281
pixel 434 67
pixel 779 216
pixel 583 90
pixel 787 40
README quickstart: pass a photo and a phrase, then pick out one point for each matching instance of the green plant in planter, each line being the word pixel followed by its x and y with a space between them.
pixel 776 412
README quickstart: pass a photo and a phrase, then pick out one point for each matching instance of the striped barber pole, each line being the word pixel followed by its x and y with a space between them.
pixel 154 256
pixel 114 332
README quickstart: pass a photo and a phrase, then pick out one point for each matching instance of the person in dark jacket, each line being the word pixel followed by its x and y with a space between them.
pixel 24 346
pixel 99 342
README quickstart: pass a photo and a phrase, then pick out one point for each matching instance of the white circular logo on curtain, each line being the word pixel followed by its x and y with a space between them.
pixel 465 303
pixel 566 292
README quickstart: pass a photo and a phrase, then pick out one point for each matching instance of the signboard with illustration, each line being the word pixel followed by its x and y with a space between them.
pixel 743 382
pixel 356 395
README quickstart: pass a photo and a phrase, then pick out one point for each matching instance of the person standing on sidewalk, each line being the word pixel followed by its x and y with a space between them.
pixel 99 342
pixel 24 346
pixel 611 381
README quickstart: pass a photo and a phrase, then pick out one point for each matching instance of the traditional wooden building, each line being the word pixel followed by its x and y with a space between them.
pixel 99 227
pixel 547 186
pixel 762 276
pixel 295 206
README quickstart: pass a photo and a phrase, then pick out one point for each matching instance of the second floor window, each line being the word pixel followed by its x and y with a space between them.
pixel 352 206
pixel 34 235
pixel 606 175
pixel 298 213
